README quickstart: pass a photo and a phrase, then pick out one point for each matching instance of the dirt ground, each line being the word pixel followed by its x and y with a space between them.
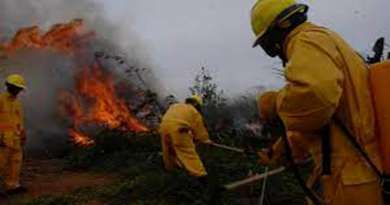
pixel 46 177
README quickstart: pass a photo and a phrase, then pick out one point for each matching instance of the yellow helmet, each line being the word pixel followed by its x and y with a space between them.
pixel 198 99
pixel 16 80
pixel 265 12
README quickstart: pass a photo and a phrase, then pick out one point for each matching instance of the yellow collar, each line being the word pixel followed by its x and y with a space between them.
pixel 294 32
pixel 10 96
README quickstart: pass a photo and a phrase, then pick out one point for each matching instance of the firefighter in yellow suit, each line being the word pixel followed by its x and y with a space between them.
pixel 12 134
pixel 326 80
pixel 181 126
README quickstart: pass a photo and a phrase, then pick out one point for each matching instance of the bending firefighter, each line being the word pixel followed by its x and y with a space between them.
pixel 326 100
pixel 12 134
pixel 181 125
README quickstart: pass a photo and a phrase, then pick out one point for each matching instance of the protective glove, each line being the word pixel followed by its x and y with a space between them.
pixel 267 107
pixel 266 157
pixel 208 142
pixel 22 134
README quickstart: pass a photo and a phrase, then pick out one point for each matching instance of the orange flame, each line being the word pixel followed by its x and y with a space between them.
pixel 104 107
pixel 94 87
pixel 61 38
pixel 80 138
pixel 98 87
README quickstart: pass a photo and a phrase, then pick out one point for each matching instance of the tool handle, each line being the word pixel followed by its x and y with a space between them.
pixel 254 178
pixel 225 147
pixel 259 177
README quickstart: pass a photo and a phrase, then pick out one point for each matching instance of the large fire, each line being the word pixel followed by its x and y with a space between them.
pixel 63 38
pixel 105 108
pixel 94 99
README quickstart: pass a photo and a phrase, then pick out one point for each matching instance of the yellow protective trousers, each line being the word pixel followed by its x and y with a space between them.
pixel 179 150
pixel 10 166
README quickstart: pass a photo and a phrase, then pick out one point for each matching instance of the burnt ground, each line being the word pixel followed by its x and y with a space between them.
pixel 47 177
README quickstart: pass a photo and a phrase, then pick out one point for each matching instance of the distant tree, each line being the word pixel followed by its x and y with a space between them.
pixel 205 87
pixel 215 102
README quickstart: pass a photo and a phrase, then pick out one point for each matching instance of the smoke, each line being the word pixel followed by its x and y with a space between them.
pixel 48 73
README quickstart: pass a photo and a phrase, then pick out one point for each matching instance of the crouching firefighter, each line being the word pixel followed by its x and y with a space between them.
pixel 182 126
pixel 12 134
pixel 325 108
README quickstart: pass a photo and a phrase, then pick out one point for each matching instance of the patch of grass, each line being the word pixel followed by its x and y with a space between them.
pixel 114 150
pixel 137 161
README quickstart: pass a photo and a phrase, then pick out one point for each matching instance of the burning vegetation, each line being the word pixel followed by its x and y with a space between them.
pixel 124 111
pixel 94 98
pixel 95 101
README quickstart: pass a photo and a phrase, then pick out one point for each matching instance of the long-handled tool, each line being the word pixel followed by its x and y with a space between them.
pixel 258 177
pixel 229 148
pixel 264 187
pixel 254 178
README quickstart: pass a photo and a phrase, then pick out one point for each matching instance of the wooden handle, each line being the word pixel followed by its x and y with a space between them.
pixel 259 177
pixel 254 178
pixel 225 147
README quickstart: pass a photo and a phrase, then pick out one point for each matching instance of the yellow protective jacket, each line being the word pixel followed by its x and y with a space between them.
pixel 181 125
pixel 326 78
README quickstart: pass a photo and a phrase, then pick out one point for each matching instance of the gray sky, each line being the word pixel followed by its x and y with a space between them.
pixel 181 36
